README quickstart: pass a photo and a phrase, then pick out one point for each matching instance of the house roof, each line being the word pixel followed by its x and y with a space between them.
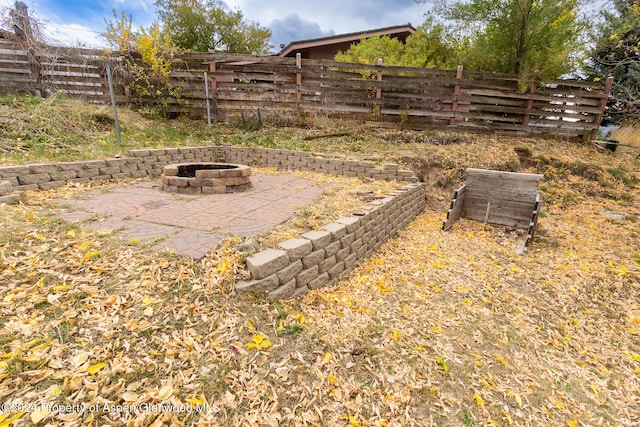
pixel 398 30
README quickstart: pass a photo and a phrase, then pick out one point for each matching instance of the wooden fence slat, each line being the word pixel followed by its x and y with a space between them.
pixel 420 97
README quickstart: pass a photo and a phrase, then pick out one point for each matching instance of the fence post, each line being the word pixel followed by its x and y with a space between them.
pixel 214 87
pixel 529 107
pixel 206 94
pixel 378 91
pixel 603 104
pixel 113 104
pixel 456 94
pixel 298 77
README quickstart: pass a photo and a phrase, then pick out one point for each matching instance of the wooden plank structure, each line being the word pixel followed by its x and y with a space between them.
pixel 510 199
pixel 290 90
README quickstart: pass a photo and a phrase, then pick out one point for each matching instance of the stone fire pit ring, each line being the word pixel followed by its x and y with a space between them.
pixel 206 178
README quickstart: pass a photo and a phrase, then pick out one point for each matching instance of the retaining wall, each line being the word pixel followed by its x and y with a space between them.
pixel 309 262
pixel 318 257
pixel 140 163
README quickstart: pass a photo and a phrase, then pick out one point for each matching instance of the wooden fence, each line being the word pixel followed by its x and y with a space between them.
pixel 294 89
pixel 410 97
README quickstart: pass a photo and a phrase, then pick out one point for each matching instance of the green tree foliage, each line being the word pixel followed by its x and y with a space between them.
pixel 429 46
pixel 148 57
pixel 201 25
pixel 617 53
pixel 536 39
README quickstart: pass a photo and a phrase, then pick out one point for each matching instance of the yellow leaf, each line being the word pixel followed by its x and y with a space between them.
pixel 148 311
pixel 331 379
pixel 6 422
pixel 353 421
pixel 61 288
pixel 134 241
pixel 327 357
pixel 478 399
pixel 518 400
pixel 147 300
pixel 165 392
pixel 90 254
pixel 71 233
pixel 94 369
pixel 634 356
pixel 40 413
pixel 501 359
pixel 397 335
pixel 55 392
pixel 197 401
pixel 224 265
pixel 129 396
pixel 89 419
pixel 572 423
pixel 259 342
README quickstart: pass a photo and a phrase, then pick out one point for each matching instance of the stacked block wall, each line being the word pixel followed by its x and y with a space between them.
pixel 317 258
pixel 140 163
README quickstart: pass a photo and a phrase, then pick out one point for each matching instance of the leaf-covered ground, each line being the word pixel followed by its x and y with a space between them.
pixel 435 329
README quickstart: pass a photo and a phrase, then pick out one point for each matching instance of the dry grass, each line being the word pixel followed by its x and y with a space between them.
pixel 435 329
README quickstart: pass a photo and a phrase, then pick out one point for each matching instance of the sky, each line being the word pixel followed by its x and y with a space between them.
pixel 81 22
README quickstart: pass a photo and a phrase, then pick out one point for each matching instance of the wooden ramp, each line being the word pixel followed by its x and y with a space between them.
pixel 501 198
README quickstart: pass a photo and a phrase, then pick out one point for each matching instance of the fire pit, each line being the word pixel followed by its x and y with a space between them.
pixel 206 178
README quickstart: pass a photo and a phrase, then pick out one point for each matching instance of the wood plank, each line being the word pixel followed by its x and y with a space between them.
pixel 476 172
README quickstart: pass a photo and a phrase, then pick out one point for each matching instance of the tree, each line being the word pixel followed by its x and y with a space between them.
pixel 429 46
pixel 535 39
pixel 203 25
pixel 148 57
pixel 617 53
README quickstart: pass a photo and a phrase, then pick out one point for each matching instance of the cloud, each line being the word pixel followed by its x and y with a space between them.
pixel 341 16
pixel 292 28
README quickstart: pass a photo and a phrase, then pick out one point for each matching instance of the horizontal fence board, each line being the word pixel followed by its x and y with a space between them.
pixel 417 97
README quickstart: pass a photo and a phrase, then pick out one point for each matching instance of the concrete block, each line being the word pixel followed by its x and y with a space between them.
pixel 304 277
pixel 319 281
pixel 5 187
pixel 13 171
pixel 319 239
pixel 350 261
pixel 296 248
pixel 289 272
pixel 343 253
pixel 338 231
pixel 285 291
pixel 45 186
pixel 87 173
pixel 94 164
pixel 267 262
pixel 263 285
pixel 10 199
pixel 36 178
pixel 352 223
pixel 219 189
pixel 314 258
pixel 63 175
pixel 70 166
pixel 347 240
pixel 336 270
pixel 189 190
pixel 331 249
pixel 327 264
pixel 300 291
pixel 138 153
pixel 42 168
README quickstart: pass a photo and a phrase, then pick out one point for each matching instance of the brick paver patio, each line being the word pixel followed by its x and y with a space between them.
pixel 190 225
